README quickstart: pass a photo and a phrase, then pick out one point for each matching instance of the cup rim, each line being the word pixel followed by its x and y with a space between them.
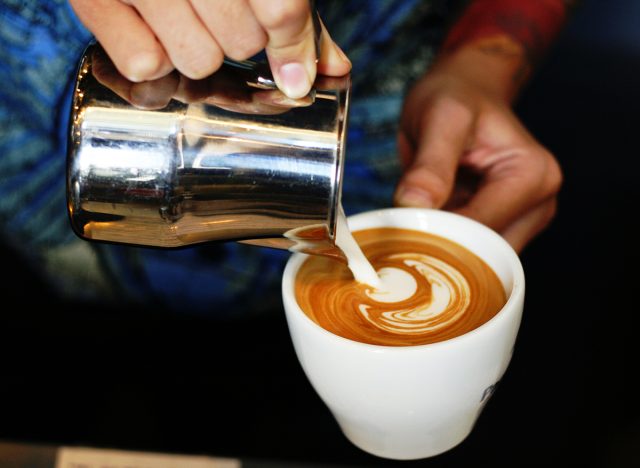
pixel 516 294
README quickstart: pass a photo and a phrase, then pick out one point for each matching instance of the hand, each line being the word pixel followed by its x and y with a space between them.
pixel 225 90
pixel 464 150
pixel 147 39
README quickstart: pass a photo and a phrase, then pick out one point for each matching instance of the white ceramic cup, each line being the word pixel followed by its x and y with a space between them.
pixel 415 401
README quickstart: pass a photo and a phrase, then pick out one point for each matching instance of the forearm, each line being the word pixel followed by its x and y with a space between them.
pixel 501 41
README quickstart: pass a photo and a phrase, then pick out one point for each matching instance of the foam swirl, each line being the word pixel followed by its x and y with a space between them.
pixel 431 289
pixel 450 298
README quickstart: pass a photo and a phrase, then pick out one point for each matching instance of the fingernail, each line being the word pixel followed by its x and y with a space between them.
pixel 150 95
pixel 142 67
pixel 294 80
pixel 413 197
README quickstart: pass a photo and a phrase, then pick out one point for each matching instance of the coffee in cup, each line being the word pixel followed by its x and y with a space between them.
pixel 406 400
pixel 431 289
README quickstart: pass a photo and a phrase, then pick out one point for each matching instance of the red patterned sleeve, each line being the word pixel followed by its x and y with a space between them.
pixel 534 24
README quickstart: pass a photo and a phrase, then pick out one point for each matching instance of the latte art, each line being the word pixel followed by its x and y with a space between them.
pixel 449 299
pixel 430 289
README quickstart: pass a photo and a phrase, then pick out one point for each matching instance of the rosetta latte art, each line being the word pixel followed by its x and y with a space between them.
pixel 450 298
pixel 432 289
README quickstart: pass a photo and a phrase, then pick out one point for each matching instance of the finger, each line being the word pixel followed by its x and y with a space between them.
pixel 291 46
pixel 116 27
pixel 433 161
pixel 154 94
pixel 536 220
pixel 106 73
pixel 233 25
pixel 236 99
pixel 190 47
pixel 518 180
pixel 273 101
pixel 151 94
pixel 332 60
pixel 217 87
pixel 257 106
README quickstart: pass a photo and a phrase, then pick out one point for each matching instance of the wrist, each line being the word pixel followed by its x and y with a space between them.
pixel 498 65
pixel 502 39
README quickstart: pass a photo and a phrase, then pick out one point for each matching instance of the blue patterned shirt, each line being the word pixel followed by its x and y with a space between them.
pixel 390 43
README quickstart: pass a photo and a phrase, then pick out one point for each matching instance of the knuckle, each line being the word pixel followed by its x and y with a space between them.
pixel 135 69
pixel 198 63
pixel 293 46
pixel 128 69
pixel 438 186
pixel 245 48
pixel 543 172
pixel 283 13
pixel 554 175
pixel 452 108
pixel 550 174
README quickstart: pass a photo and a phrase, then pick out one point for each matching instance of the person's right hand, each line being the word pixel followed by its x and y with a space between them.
pixel 147 39
pixel 225 90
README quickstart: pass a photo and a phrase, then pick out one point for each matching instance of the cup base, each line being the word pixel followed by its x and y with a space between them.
pixel 413 446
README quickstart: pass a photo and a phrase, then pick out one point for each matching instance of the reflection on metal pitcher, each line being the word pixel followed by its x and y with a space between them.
pixel 175 161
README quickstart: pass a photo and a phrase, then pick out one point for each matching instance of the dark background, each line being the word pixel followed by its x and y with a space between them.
pixel 74 374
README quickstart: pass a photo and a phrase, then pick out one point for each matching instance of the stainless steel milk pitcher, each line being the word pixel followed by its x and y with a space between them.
pixel 176 162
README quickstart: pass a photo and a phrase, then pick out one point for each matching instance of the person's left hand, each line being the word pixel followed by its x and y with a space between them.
pixel 464 150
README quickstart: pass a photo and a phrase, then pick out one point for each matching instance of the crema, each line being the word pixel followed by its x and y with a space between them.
pixel 430 289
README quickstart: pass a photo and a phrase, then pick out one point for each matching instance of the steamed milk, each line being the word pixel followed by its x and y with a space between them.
pixel 386 285
pixel 401 287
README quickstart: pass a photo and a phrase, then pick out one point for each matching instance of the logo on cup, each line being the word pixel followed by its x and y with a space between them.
pixel 488 392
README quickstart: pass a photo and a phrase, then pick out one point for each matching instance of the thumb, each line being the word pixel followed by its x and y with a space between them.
pixel 432 163
pixel 291 47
